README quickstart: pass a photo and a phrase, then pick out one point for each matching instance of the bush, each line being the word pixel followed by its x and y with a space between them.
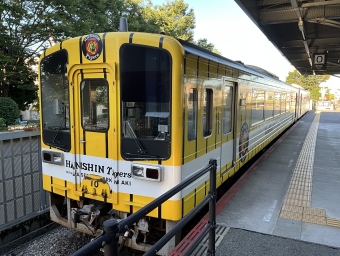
pixel 3 125
pixel 9 111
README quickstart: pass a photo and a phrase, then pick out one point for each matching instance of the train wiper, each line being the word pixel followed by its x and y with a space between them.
pixel 140 147
pixel 58 131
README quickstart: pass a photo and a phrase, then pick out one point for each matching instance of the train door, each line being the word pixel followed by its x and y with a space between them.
pixel 228 149
pixel 95 119
pixel 297 105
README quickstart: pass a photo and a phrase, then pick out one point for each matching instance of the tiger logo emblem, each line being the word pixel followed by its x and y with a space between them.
pixel 92 46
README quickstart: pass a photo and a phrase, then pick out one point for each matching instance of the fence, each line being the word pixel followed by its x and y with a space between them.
pixel 113 228
pixel 21 195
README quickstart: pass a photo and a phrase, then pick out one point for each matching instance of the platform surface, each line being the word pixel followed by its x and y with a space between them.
pixel 288 202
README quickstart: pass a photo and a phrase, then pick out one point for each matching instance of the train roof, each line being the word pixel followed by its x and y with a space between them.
pixel 194 49
pixel 263 71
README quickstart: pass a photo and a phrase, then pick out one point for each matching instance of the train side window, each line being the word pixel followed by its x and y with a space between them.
pixel 94 107
pixel 288 102
pixel 207 112
pixel 269 105
pixel 292 101
pixel 257 106
pixel 192 114
pixel 227 109
pixel 277 98
pixel 283 102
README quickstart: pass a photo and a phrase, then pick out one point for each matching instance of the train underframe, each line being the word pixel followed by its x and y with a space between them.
pixel 88 215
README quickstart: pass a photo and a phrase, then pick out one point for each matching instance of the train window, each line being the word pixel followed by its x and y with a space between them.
pixel 257 106
pixel 283 102
pixel 94 104
pixel 207 112
pixel 269 105
pixel 288 102
pixel 192 114
pixel 145 85
pixel 227 109
pixel 55 100
pixel 292 102
pixel 277 98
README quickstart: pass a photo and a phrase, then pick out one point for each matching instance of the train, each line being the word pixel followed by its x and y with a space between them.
pixel 126 116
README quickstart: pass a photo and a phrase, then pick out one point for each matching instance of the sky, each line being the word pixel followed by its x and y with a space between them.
pixel 226 26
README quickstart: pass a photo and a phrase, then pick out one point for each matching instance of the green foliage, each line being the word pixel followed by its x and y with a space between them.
pixel 173 18
pixel 3 125
pixel 203 42
pixel 9 110
pixel 82 17
pixel 328 95
pixel 36 105
pixel 17 37
pixel 307 82
pixel 310 83
pixel 315 93
pixel 136 14
pixel 30 26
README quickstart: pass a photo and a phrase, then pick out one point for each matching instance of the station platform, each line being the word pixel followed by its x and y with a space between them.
pixel 288 202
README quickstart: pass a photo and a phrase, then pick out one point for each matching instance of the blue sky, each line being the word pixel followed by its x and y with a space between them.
pixel 225 25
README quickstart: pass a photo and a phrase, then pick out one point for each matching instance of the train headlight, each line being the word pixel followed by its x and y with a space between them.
pixel 57 159
pixel 147 172
pixel 53 157
pixel 137 171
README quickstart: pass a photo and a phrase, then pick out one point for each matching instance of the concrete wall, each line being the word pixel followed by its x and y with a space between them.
pixel 21 193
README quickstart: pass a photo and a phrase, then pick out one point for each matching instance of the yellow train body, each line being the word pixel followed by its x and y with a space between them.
pixel 126 116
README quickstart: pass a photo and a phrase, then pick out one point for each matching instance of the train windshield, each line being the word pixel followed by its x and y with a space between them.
pixel 145 80
pixel 55 100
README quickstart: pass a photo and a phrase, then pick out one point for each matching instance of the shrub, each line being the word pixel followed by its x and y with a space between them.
pixel 3 125
pixel 9 110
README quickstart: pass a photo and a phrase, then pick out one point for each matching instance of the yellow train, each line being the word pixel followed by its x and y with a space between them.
pixel 127 116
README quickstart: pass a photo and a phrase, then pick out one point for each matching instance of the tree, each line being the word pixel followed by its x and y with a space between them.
pixel 81 17
pixel 9 110
pixel 203 42
pixel 37 24
pixel 307 82
pixel 329 95
pixel 16 76
pixel 315 93
pixel 310 83
pixel 30 26
pixel 3 125
pixel 173 18
pixel 138 20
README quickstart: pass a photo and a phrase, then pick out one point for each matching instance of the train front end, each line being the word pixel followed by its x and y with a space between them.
pixel 111 118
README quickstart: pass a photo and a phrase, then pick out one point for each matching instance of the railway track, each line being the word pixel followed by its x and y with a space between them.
pixel 59 241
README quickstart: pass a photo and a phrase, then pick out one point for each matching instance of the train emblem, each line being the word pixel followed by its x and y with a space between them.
pixel 92 47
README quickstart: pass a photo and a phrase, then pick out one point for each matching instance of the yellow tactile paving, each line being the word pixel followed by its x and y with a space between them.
pixel 314 219
pixel 299 195
pixel 333 222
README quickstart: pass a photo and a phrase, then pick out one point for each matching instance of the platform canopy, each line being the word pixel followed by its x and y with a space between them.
pixel 306 32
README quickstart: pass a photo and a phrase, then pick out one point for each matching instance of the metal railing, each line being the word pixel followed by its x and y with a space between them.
pixel 113 228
